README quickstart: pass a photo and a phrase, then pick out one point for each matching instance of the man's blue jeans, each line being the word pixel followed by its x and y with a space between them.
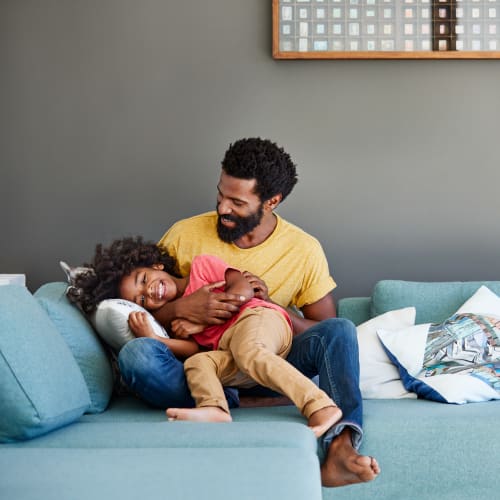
pixel 328 349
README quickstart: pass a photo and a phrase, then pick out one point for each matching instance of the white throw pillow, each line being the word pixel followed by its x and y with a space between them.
pixel 379 378
pixel 111 322
pixel 484 301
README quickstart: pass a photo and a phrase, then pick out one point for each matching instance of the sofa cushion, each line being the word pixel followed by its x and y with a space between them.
pixel 83 341
pixel 176 473
pixel 378 377
pixel 249 457
pixel 457 361
pixel 426 449
pixel 41 386
pixel 110 320
pixel 484 301
pixel 434 302
pixel 146 432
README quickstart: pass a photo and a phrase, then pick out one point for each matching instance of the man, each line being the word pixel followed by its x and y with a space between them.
pixel 286 266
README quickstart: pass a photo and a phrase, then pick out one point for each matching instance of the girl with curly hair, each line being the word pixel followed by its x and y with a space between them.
pixel 249 348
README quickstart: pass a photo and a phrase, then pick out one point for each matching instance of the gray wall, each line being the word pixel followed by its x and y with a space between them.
pixel 115 115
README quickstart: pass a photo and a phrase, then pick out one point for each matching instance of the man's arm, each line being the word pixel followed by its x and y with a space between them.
pixel 321 309
pixel 203 307
pixel 236 284
pixel 317 311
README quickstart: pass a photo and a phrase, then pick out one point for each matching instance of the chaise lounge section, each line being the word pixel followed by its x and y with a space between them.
pixel 66 433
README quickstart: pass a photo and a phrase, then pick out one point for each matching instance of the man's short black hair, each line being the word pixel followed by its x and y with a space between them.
pixel 264 161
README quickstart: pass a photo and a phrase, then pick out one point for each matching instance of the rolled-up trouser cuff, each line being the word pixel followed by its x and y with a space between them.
pixel 334 431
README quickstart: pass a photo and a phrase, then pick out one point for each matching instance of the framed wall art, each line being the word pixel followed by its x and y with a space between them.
pixel 386 29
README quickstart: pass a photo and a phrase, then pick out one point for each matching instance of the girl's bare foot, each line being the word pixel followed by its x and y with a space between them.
pixel 320 421
pixel 201 414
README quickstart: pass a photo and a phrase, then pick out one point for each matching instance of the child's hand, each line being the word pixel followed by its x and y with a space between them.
pixel 139 324
pixel 259 286
pixel 183 328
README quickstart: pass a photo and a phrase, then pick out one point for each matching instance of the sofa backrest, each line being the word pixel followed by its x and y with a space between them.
pixel 434 301
pixel 357 309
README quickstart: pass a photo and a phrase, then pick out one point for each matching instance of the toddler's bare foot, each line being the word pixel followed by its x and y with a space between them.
pixel 201 414
pixel 320 421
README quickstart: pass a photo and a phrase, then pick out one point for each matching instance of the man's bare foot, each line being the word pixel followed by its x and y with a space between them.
pixel 201 414
pixel 344 465
pixel 320 421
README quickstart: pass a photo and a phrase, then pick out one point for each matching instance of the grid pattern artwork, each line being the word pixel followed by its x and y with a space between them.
pixel 388 25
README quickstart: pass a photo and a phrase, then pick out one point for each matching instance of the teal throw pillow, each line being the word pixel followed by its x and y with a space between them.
pixel 83 341
pixel 41 386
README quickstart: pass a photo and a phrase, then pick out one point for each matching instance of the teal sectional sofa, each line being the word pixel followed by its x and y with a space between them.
pixel 66 434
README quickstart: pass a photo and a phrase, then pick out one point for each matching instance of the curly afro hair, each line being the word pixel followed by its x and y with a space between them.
pixel 265 161
pixel 110 265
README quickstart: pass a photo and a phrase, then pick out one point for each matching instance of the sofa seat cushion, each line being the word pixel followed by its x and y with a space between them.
pixel 130 473
pixel 434 302
pixel 426 451
pixel 165 434
pixel 131 451
pixel 131 409
pixel 41 385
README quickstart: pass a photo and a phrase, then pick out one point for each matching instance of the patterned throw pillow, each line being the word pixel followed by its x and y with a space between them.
pixel 457 361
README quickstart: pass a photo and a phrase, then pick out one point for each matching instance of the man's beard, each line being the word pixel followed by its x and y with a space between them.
pixel 243 225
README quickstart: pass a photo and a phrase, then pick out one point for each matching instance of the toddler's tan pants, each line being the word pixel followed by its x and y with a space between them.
pixel 252 351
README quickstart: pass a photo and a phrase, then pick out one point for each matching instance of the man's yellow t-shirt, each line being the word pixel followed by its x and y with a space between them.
pixel 290 261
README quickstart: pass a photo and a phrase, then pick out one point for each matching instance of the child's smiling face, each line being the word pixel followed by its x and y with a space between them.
pixel 149 287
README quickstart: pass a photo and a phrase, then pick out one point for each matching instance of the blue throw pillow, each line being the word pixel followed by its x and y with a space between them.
pixel 83 341
pixel 41 385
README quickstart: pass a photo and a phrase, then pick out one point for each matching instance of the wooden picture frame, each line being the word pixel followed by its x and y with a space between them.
pixel 386 29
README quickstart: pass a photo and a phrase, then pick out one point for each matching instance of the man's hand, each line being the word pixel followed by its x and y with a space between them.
pixel 259 286
pixel 206 307
pixel 139 324
pixel 183 328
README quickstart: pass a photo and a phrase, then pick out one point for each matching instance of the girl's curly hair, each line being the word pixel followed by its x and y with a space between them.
pixel 110 265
